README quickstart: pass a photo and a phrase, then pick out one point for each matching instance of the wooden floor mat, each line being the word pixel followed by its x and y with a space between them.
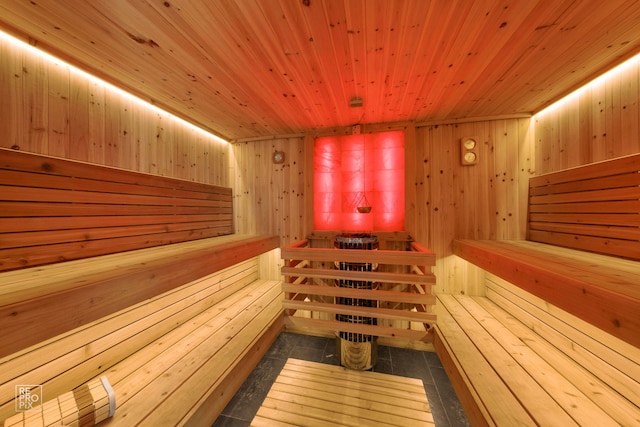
pixel 317 394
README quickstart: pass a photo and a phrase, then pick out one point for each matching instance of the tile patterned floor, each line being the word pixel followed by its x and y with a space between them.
pixel 444 403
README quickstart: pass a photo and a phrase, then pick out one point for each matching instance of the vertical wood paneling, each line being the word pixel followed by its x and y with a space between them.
pixel 47 108
pixel 599 123
pixel 484 201
pixel 444 199
pixel 272 198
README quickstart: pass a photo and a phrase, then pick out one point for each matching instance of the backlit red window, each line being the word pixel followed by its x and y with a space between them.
pixel 359 171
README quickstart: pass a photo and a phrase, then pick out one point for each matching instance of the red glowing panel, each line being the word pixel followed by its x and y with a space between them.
pixel 356 171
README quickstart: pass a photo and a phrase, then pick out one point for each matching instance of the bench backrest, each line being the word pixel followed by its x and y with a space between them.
pixel 594 208
pixel 54 210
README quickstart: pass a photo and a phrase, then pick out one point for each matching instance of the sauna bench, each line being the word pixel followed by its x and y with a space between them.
pixel 513 359
pixel 176 328
pixel 555 341
pixel 600 289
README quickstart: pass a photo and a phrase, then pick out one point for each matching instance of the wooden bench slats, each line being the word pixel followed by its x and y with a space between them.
pixel 621 165
pixel 27 304
pixel 213 318
pixel 614 363
pixel 493 332
pixel 550 398
pixel 11 225
pixel 591 365
pixel 475 376
pixel 34 238
pixel 230 356
pixel 26 194
pixel 13 258
pixel 88 351
pixel 618 247
pixel 39 164
pixel 33 209
pixel 58 195
pixel 617 207
pixel 10 178
pixel 574 286
pixel 614 181
pixel 150 393
pixel 604 193
pixel 629 219
pixel 623 233
pixel 611 194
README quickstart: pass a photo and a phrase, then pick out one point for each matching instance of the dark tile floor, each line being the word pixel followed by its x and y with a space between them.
pixel 445 405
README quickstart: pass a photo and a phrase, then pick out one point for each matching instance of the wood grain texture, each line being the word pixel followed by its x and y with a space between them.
pixel 55 210
pixel 95 287
pixel 309 393
pixel 245 69
pixel 508 374
pixel 594 207
pixel 67 360
pixel 598 289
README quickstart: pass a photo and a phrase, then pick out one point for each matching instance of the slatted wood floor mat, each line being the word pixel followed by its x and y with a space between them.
pixel 316 394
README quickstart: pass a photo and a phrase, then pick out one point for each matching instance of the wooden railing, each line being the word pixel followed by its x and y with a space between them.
pixel 403 291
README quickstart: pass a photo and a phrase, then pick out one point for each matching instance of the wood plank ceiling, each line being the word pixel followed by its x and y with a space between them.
pixel 253 68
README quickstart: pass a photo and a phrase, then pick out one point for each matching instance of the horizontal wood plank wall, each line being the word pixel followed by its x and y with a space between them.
pixel 593 207
pixel 55 210
pixel 47 108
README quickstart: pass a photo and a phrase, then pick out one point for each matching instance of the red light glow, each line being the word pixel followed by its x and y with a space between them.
pixel 357 170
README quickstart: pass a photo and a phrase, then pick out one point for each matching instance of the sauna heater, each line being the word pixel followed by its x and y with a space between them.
pixel 355 350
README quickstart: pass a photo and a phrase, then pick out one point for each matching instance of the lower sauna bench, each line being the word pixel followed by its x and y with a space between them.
pixel 189 374
pixel 514 359
pixel 173 359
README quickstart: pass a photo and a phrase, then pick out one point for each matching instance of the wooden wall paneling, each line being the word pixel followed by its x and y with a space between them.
pixel 13 98
pixel 511 215
pixel 79 113
pixel 411 179
pixel 601 122
pixel 239 177
pixel 585 126
pixel 36 88
pixel 112 131
pixel 444 154
pixel 307 200
pixel 598 112
pixel 96 108
pixel 566 125
pixel 526 165
pixel 485 181
pixel 50 109
pixel 422 182
pixel 629 109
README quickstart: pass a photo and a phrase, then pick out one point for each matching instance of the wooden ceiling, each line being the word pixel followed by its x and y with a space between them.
pixel 254 68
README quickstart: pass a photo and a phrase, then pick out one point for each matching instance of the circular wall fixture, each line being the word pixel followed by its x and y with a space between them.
pixel 278 157
pixel 469 150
